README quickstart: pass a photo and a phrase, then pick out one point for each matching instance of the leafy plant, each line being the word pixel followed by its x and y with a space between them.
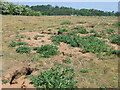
pixel 82 30
pixel 34 59
pixel 23 49
pixel 63 30
pixel 97 35
pixel 50 26
pixel 114 39
pixel 14 44
pixel 110 31
pixel 67 60
pixel 36 36
pixel 60 77
pixel 4 81
pixel 22 36
pixel 22 29
pixel 84 71
pixel 66 22
pixel 29 38
pixel 36 48
pixel 47 50
pixel 21 43
pixel 92 31
pixel 117 52
pixel 88 43
pixel 42 41
pixel 81 22
pixel 39 27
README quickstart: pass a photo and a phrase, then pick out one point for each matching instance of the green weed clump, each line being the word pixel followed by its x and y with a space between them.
pixel 36 36
pixel 82 30
pixel 114 39
pixel 76 30
pixel 22 36
pixel 97 35
pixel 66 22
pixel 60 77
pixel 116 52
pixel 84 71
pixel 22 29
pixel 47 50
pixel 67 60
pixel 50 26
pixel 63 30
pixel 88 43
pixel 81 22
pixel 4 81
pixel 14 44
pixel 92 31
pixel 23 49
pixel 110 31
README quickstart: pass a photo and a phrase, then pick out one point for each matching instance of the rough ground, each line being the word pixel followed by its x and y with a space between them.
pixel 102 73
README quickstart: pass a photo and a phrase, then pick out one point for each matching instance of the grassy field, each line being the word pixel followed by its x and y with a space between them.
pixel 91 70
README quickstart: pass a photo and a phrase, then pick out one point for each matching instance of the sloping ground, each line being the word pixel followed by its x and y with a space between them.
pixel 17 66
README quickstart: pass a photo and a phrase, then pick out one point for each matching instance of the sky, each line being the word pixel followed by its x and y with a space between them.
pixel 64 0
pixel 105 5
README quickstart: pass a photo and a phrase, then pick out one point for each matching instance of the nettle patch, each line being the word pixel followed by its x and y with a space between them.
pixel 47 50
pixel 58 77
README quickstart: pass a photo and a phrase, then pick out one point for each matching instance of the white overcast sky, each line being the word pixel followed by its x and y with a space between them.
pixel 62 0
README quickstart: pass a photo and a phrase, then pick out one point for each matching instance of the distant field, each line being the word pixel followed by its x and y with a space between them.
pixel 93 67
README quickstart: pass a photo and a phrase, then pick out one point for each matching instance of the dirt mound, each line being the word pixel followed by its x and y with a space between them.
pixel 16 79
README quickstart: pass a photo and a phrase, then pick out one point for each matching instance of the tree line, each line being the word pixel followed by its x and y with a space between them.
pixel 50 10
pixel 13 9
